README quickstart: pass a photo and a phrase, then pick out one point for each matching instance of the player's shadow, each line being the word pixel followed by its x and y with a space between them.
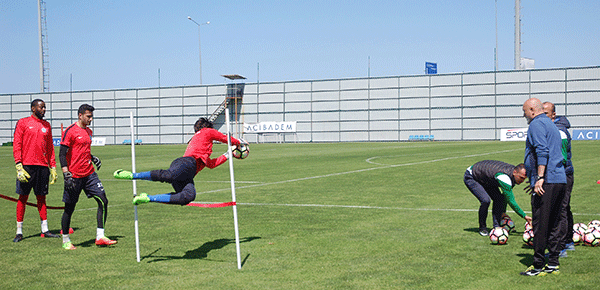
pixel 199 253
pixel 473 230
pixel 54 231
pixel 526 259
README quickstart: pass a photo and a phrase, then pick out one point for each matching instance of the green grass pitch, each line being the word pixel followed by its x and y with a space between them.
pixel 311 216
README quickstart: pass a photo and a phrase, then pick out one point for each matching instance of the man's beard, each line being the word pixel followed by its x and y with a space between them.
pixel 40 115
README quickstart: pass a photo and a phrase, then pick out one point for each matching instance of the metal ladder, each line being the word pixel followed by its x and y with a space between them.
pixel 218 111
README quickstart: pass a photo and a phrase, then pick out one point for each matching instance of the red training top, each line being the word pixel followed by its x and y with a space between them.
pixel 200 148
pixel 79 157
pixel 32 142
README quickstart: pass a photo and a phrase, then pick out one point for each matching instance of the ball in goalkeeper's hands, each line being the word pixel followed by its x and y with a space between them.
pixel 240 151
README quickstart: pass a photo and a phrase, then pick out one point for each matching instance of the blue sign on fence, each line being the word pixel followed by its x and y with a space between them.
pixel 56 141
pixel 430 68
pixel 586 134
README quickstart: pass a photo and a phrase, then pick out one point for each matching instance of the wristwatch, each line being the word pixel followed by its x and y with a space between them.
pixel 540 177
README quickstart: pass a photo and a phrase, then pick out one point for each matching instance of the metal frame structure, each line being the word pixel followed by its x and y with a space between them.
pixel 463 106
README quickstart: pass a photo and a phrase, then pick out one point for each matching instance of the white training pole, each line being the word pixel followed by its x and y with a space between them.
pixel 137 234
pixel 232 178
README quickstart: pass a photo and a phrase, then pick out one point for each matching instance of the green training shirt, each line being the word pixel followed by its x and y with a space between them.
pixel 506 186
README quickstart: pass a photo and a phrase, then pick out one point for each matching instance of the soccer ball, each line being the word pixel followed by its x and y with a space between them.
pixel 508 224
pixel 594 224
pixel 580 228
pixel 528 237
pixel 592 238
pixel 498 236
pixel 577 237
pixel 240 151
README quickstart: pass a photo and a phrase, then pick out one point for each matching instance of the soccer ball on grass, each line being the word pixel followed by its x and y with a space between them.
pixel 577 237
pixel 498 236
pixel 579 230
pixel 594 224
pixel 528 237
pixel 507 223
pixel 592 238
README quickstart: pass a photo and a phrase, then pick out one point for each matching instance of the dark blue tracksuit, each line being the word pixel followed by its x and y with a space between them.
pixel 563 125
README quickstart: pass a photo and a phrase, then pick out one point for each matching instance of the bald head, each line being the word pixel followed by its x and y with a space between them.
pixel 532 108
pixel 549 110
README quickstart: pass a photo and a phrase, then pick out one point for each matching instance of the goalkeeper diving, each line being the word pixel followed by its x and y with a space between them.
pixel 182 171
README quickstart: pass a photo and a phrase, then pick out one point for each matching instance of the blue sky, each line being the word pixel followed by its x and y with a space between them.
pixel 123 44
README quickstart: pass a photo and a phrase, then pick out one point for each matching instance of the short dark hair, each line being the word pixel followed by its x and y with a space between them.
pixel 520 167
pixel 33 103
pixel 202 123
pixel 551 106
pixel 85 107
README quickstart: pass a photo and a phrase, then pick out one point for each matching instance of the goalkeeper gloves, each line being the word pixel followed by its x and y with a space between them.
pixel 96 162
pixel 22 175
pixel 53 175
pixel 69 181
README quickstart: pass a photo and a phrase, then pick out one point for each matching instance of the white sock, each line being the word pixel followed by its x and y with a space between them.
pixel 66 239
pixel 19 228
pixel 44 226
pixel 99 233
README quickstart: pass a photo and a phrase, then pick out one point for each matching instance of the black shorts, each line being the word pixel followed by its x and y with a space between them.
pixel 91 185
pixel 40 175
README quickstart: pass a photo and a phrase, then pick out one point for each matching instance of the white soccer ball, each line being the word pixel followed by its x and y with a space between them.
pixel 528 237
pixel 580 228
pixel 594 224
pixel 240 151
pixel 592 238
pixel 578 237
pixel 579 231
pixel 508 224
pixel 498 236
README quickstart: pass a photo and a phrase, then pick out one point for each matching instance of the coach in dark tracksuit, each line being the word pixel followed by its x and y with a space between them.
pixel 484 180
pixel 563 125
pixel 546 172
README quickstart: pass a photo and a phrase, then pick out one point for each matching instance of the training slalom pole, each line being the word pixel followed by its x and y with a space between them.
pixel 137 233
pixel 232 178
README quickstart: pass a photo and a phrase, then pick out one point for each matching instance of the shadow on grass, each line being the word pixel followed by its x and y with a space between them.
pixel 57 232
pixel 526 259
pixel 473 230
pixel 201 252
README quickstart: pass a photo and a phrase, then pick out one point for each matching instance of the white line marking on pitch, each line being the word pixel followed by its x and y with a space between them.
pixel 356 171
pixel 336 206
pixel 382 207
pixel 436 160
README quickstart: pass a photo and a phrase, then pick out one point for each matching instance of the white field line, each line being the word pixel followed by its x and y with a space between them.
pixel 358 171
pixel 197 181
pixel 382 166
pixel 381 207
pixel 329 206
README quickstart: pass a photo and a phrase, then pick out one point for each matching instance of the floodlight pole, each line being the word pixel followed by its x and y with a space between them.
pixel 199 44
pixel 137 233
pixel 232 178
pixel 517 34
